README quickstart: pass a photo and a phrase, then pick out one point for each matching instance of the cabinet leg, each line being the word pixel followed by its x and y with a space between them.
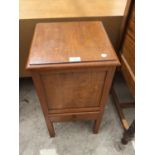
pixel 129 134
pixel 96 125
pixel 50 128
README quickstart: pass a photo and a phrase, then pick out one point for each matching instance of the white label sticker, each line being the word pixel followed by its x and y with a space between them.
pixel 104 55
pixel 74 59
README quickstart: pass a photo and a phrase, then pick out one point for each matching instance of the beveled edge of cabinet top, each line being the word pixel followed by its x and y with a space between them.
pixel 73 65
pixel 87 40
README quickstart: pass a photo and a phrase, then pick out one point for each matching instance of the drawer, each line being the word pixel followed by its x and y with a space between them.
pixel 74 116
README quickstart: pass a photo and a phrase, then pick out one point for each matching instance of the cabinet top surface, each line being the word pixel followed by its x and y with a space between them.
pixel 40 9
pixel 70 42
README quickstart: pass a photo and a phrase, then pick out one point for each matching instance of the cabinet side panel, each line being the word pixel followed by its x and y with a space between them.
pixel 74 89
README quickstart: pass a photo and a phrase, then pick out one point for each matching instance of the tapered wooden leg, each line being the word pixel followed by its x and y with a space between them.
pixel 96 125
pixel 50 128
pixel 129 134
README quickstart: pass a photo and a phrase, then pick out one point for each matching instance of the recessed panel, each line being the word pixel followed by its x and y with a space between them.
pixel 73 89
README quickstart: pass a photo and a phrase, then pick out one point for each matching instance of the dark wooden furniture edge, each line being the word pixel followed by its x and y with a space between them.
pixel 119 106
pixel 129 134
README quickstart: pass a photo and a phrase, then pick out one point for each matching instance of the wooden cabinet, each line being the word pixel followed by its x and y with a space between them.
pixel 127 58
pixel 72 65
pixel 128 51
pixel 110 12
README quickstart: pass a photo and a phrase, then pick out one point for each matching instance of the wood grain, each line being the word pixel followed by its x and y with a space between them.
pixel 32 12
pixel 26 31
pixel 128 52
pixel 128 48
pixel 39 88
pixel 41 9
pixel 124 23
pixel 74 116
pixel 127 57
pixel 62 92
pixel 72 110
pixel 55 43
pixel 72 91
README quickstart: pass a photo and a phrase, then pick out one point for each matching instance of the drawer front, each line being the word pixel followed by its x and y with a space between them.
pixel 74 116
pixel 80 88
pixel 73 110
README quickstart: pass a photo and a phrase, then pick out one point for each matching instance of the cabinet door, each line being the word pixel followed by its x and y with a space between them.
pixel 80 88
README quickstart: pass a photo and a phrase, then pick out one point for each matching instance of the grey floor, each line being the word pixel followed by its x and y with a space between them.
pixel 72 138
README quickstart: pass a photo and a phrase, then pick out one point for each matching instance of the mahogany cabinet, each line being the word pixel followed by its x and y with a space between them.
pixel 31 12
pixel 128 51
pixel 127 59
pixel 72 66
